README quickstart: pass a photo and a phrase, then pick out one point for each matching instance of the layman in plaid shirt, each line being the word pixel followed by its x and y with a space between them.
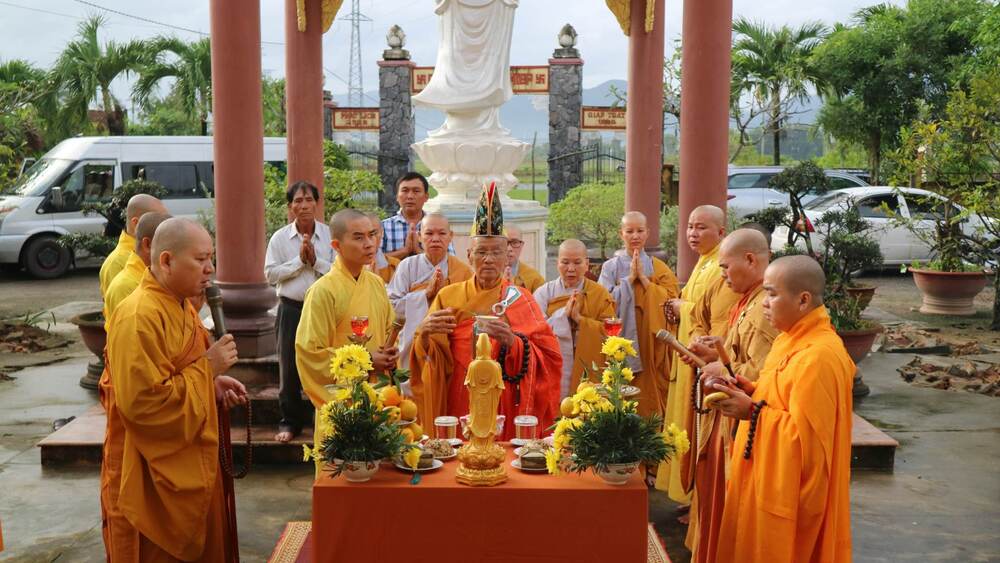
pixel 402 231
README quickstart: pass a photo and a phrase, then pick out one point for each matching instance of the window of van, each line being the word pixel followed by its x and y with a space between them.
pixel 179 178
pixel 89 183
pixel 749 180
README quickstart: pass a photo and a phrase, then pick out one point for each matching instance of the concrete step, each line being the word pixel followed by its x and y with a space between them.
pixel 79 443
pixel 265 407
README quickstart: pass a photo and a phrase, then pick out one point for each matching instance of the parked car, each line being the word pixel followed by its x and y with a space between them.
pixel 899 245
pixel 88 170
pixel 749 191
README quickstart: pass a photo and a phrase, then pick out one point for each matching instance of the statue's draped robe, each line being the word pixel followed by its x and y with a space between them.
pixel 116 260
pixel 408 293
pixel 789 501
pixel 438 366
pixel 641 312
pixel 171 486
pixel 325 325
pixel 527 277
pixel 581 348
pixel 697 297
pixel 748 342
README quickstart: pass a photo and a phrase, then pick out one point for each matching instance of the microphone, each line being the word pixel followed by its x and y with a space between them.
pixel 213 296
pixel 671 341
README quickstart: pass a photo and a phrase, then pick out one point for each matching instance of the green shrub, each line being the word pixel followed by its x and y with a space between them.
pixel 589 212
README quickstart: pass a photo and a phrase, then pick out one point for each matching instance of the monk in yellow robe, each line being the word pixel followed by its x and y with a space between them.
pixel 138 205
pixel 521 341
pixel 383 265
pixel 419 278
pixel 167 383
pixel 705 229
pixel 347 291
pixel 640 285
pixel 519 273
pixel 576 308
pixel 787 498
pixel 112 520
pixel 743 257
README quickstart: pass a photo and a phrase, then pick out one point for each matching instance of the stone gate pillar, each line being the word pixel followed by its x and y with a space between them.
pixel 328 105
pixel 565 101
pixel 396 124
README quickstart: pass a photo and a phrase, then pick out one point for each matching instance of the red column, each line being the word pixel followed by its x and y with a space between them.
pixel 304 95
pixel 239 174
pixel 644 118
pixel 705 76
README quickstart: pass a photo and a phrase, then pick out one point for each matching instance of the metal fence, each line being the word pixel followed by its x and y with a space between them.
pixel 599 162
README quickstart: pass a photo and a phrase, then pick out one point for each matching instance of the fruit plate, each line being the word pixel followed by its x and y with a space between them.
pixel 405 422
pixel 516 464
pixel 520 441
pixel 453 455
pixel 627 390
pixel 435 464
pixel 455 442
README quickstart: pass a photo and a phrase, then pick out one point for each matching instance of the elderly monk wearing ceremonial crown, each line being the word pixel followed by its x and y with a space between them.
pixel 576 309
pixel 522 341
pixel 168 384
pixel 419 278
pixel 702 310
pixel 787 497
pixel 640 284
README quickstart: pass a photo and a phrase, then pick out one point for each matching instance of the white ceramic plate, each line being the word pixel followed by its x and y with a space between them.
pixel 453 455
pixel 455 442
pixel 516 464
pixel 518 441
pixel 405 422
pixel 436 464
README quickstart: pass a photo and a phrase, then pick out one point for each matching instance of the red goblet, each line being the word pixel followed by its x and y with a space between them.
pixel 613 326
pixel 359 325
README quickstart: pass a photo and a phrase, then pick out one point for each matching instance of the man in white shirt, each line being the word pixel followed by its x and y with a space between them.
pixel 297 255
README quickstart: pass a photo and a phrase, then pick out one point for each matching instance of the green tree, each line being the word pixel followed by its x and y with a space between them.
pixel 589 212
pixel 166 116
pixel 773 65
pixel 84 72
pixel 797 181
pixel 188 64
pixel 25 96
pixel 273 98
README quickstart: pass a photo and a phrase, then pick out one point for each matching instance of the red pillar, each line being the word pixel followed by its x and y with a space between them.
pixel 304 96
pixel 705 77
pixel 644 118
pixel 239 175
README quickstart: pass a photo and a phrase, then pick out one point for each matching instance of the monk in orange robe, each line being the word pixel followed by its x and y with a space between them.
pixel 743 257
pixel 787 497
pixel 137 206
pixel 522 342
pixel 167 382
pixel 519 273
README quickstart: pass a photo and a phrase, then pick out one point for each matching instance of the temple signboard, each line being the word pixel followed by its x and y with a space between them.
pixel 523 79
pixel 355 119
pixel 595 118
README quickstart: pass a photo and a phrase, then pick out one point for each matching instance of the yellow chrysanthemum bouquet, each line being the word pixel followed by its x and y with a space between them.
pixel 354 423
pixel 604 430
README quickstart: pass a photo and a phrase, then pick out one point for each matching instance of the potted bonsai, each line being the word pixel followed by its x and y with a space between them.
pixel 848 247
pixel 357 431
pixel 591 213
pixel 796 182
pixel 91 323
pixel 956 159
pixel 605 433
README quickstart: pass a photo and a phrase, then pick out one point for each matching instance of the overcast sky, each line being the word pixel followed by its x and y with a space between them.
pixel 37 31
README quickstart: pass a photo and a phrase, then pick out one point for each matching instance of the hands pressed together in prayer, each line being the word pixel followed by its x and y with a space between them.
pixel 229 392
pixel 636 273
pixel 437 282
pixel 573 308
pixel 412 244
pixel 307 252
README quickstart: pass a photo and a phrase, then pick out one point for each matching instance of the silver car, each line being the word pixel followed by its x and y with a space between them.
pixel 749 191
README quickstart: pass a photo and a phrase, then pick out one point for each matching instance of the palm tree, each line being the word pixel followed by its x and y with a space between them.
pixel 27 101
pixel 773 65
pixel 85 70
pixel 189 64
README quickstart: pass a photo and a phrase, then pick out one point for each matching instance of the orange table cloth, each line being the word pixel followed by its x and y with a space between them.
pixel 532 518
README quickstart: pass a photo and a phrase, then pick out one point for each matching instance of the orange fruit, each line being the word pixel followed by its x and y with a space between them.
pixel 408 409
pixel 417 430
pixel 393 413
pixel 407 435
pixel 390 396
pixel 583 385
pixel 566 407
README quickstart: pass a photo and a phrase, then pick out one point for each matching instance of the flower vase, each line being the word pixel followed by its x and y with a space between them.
pixel 360 471
pixel 617 473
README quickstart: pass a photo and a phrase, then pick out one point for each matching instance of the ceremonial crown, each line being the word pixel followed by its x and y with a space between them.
pixel 489 215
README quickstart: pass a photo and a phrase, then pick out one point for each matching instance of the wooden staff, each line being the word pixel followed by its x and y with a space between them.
pixel 671 341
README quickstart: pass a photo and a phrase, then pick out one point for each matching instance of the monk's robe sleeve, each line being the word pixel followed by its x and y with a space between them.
pixel 701 315
pixel 430 366
pixel 590 334
pixel 314 343
pixel 165 408
pixel 758 346
pixel 793 449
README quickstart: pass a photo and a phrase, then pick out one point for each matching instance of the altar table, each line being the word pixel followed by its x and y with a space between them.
pixel 532 518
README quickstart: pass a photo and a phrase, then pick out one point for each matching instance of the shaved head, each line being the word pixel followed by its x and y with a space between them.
pixel 705 229
pixel 435 236
pixel 340 220
pixel 572 245
pixel 709 214
pixel 793 287
pixel 633 218
pixel 513 231
pixel 437 219
pixel 144 231
pixel 799 274
pixel 746 240
pixel 181 257
pixel 139 205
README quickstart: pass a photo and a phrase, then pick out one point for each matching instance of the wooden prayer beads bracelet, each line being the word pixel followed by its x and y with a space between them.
pixel 755 409
pixel 515 379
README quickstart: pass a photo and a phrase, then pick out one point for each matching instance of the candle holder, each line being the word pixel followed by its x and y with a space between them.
pixel 613 326
pixel 358 327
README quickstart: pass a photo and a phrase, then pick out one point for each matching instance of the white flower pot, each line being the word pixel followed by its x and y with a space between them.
pixel 360 471
pixel 617 473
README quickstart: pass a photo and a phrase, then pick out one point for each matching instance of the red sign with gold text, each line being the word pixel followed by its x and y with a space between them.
pixel 523 79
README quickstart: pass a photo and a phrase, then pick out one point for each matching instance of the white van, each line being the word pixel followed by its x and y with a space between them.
pixel 87 170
